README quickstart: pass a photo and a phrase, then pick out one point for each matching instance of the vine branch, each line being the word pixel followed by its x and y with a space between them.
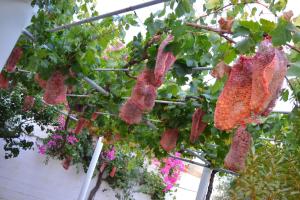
pixel 221 32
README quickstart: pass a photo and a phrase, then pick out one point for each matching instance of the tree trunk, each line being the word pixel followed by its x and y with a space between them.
pixel 211 184
pixel 97 186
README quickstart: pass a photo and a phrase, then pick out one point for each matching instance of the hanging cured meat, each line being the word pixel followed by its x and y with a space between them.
pixel 169 139
pixel 220 70
pixel 56 90
pixel 82 123
pixel 13 59
pixel 164 61
pixel 41 82
pixel 28 103
pixel 130 112
pixel 269 70
pixel 240 146
pixel 233 105
pixel 4 82
pixel 198 125
pixel 252 88
pixel 144 92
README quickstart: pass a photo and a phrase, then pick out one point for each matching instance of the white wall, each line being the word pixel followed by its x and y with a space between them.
pixel 28 178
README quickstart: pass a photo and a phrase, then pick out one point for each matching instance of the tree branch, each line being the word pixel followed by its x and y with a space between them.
pixel 221 32
pixel 293 47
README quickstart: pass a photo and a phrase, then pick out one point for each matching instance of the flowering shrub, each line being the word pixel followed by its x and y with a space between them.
pixel 69 147
pixel 171 171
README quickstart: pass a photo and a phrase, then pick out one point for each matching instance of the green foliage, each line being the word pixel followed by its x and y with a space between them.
pixel 15 123
pixel 272 173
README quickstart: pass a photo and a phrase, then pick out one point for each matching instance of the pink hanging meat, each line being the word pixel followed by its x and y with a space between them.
pixel 13 59
pixel 4 82
pixel 130 112
pixel 237 155
pixel 28 103
pixel 41 82
pixel 252 88
pixel 144 95
pixel 164 61
pixel 198 125
pixel 269 69
pixel 169 139
pixel 80 125
pixel 233 105
pixel 220 70
pixel 56 90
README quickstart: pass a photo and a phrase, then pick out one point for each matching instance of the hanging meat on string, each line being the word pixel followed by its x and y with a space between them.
pixel 233 105
pixel 220 70
pixel 81 124
pixel 130 112
pixel 56 90
pixel 240 146
pixel 144 92
pixel 169 139
pixel 4 82
pixel 268 73
pixel 13 59
pixel 198 125
pixel 41 82
pixel 28 103
pixel 252 88
pixel 164 61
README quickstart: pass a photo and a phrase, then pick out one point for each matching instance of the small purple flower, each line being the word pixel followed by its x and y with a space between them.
pixel 72 139
pixel 110 155
pixel 61 122
pixel 42 149
pixel 51 144
pixel 57 137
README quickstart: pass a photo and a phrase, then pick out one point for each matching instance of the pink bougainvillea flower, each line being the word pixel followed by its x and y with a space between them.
pixel 61 122
pixel 51 144
pixel 4 82
pixel 110 155
pixel 72 139
pixel 13 59
pixel 28 103
pixel 56 90
pixel 57 137
pixel 42 149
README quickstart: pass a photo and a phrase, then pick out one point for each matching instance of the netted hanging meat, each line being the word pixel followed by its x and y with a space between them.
pixel 220 70
pixel 233 105
pixel 252 88
pixel 169 139
pixel 28 103
pixel 130 112
pixel 198 125
pixel 81 124
pixel 13 59
pixel 164 61
pixel 240 146
pixel 269 69
pixel 56 90
pixel 41 82
pixel 4 82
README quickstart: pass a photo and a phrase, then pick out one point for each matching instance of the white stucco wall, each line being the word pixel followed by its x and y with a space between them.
pixel 28 178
